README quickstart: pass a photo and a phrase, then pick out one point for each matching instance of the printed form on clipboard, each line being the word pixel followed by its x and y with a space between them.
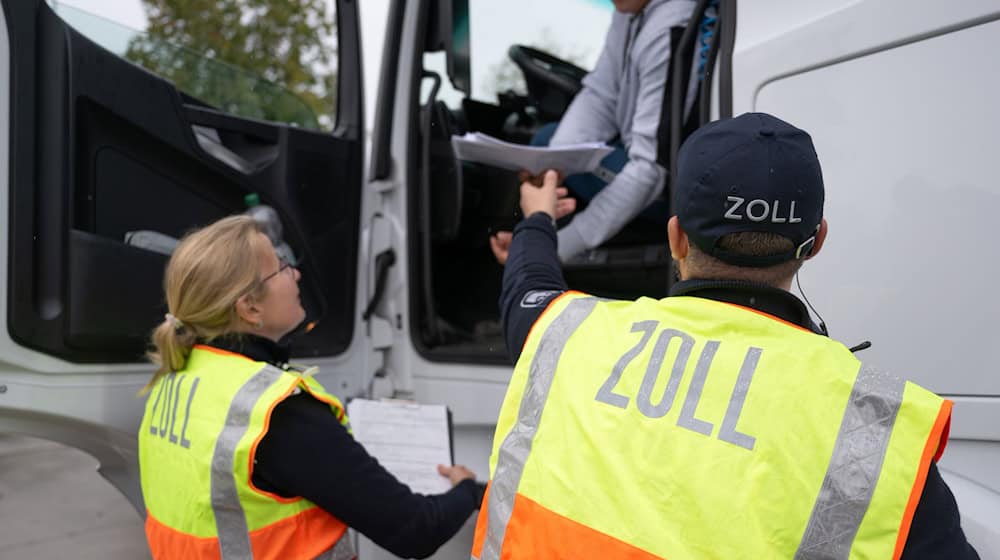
pixel 409 439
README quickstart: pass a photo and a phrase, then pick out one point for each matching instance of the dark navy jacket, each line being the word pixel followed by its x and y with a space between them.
pixel 307 452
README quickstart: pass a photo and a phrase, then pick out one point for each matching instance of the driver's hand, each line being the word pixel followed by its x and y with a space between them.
pixel 565 204
pixel 545 196
pixel 525 176
pixel 500 244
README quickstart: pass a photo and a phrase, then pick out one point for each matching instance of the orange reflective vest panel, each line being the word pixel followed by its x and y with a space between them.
pixel 687 428
pixel 196 448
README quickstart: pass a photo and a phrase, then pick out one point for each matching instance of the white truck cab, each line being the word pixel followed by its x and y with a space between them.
pixel 397 276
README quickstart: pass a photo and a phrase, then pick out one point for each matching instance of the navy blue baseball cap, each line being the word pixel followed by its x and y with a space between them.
pixel 753 173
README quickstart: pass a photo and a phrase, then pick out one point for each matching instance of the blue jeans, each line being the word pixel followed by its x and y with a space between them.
pixel 586 185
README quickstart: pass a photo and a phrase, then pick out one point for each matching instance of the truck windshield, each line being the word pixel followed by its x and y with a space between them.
pixel 572 30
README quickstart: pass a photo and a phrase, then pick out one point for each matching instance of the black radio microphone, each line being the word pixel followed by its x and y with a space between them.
pixel 864 345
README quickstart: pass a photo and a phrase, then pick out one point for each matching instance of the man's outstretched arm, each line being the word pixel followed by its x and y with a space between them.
pixel 532 277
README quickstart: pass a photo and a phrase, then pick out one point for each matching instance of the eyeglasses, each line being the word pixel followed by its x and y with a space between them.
pixel 283 266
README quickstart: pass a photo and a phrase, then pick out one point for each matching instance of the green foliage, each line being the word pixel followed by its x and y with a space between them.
pixel 264 59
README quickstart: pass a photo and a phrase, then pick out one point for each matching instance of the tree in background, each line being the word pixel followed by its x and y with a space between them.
pixel 265 59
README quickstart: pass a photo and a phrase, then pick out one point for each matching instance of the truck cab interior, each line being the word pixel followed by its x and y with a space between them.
pixel 457 205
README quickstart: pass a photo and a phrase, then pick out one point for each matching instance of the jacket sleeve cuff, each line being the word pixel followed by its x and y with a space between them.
pixel 539 221
pixel 571 243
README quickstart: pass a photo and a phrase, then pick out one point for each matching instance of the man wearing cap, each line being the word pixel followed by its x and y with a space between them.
pixel 718 422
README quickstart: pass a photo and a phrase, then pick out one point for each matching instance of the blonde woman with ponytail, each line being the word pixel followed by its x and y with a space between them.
pixel 241 455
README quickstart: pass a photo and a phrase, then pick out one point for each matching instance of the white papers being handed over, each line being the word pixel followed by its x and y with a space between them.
pixel 568 159
pixel 410 440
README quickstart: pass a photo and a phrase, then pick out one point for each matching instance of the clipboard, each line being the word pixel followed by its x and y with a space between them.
pixel 407 438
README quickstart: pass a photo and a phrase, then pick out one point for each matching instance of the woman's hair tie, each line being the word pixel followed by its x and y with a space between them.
pixel 174 322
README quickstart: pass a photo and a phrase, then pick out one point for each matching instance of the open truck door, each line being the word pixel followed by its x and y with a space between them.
pixel 96 152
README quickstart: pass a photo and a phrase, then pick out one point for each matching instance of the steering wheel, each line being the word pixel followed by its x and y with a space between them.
pixel 552 82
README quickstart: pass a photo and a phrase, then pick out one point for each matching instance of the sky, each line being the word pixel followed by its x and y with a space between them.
pixel 496 25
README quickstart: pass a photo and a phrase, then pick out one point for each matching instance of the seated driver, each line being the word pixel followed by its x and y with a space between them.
pixel 621 101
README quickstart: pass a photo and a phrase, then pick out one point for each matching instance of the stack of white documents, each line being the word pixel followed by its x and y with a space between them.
pixel 568 159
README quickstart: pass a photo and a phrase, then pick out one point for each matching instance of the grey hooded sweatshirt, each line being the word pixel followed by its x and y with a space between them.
pixel 623 97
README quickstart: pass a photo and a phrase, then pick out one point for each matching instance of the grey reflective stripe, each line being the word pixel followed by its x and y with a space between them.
pixel 514 450
pixel 230 521
pixel 854 467
pixel 341 550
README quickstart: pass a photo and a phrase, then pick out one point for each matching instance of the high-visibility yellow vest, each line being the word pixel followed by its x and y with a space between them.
pixel 196 446
pixel 687 428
